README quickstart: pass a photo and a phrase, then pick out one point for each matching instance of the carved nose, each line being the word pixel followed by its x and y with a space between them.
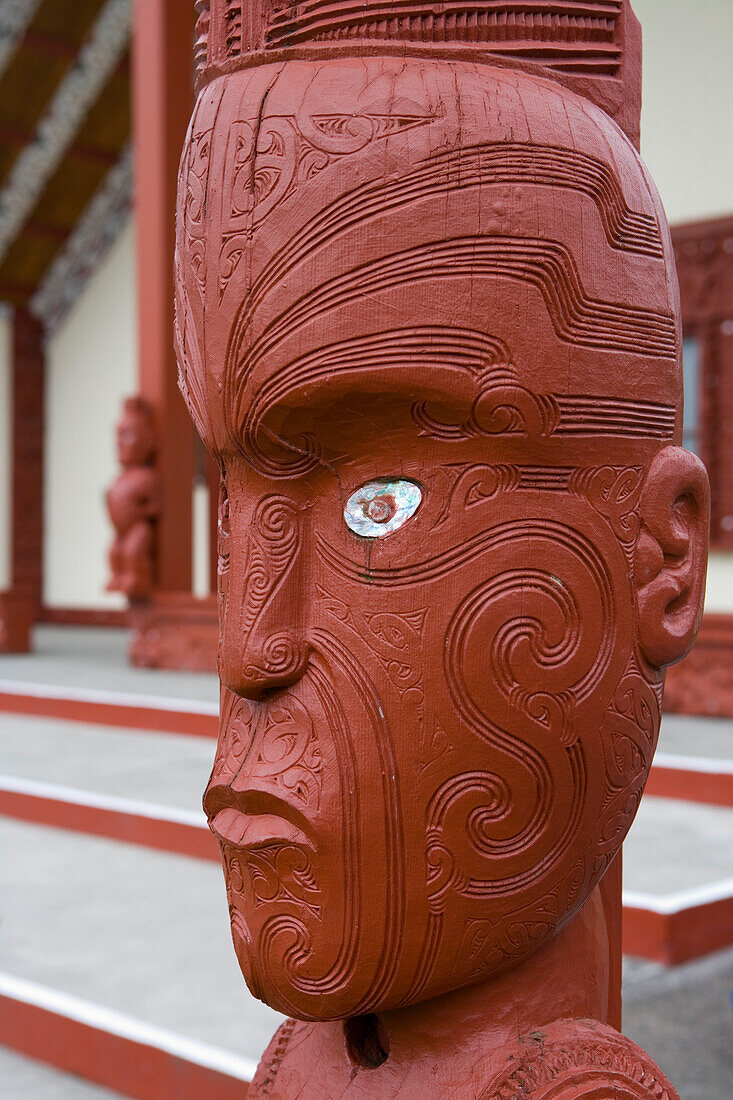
pixel 262 645
pixel 257 667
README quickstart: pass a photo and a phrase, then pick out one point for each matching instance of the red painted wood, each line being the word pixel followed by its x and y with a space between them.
pixel 408 276
pixel 131 1068
pixel 673 938
pixel 111 714
pixel 705 267
pixel 20 606
pixel 162 95
pixel 150 832
pixel 692 786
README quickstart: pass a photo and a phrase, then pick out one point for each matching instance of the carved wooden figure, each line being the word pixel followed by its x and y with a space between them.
pixel 427 323
pixel 133 503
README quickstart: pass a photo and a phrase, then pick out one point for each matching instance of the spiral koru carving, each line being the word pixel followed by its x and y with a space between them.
pixel 523 653
pixel 532 656
pixel 274 541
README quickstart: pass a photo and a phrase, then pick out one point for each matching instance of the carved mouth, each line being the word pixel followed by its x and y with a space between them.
pixel 255 817
pixel 248 832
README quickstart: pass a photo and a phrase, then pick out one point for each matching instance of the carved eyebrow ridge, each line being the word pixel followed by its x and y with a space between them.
pixel 576 317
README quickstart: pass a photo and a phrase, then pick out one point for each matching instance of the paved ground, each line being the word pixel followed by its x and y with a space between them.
pixel 683 1018
pixel 168 768
pixel 94 657
pixel 23 1079
pixel 142 932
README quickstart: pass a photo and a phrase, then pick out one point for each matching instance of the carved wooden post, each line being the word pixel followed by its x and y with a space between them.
pixel 161 102
pixel 20 605
pixel 427 324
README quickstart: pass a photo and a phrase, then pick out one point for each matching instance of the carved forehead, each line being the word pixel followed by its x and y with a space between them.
pixel 368 209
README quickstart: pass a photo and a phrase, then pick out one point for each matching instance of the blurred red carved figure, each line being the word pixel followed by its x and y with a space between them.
pixel 133 502
pixel 427 324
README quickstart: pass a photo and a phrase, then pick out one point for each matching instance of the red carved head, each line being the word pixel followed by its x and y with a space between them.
pixel 427 324
pixel 136 434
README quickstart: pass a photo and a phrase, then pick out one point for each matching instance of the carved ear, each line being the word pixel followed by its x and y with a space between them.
pixel 671 555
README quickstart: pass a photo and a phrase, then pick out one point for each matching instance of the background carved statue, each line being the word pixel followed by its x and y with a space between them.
pixel 133 502
pixel 427 321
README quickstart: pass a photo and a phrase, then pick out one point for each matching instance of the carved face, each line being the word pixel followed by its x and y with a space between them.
pixel 135 440
pixel 436 404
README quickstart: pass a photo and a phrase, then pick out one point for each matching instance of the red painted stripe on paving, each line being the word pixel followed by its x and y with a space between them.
pixel 130 1067
pixel 691 786
pixel 129 716
pixel 150 832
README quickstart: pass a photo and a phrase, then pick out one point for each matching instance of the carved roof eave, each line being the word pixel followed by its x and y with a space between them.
pixel 62 119
pixel 89 242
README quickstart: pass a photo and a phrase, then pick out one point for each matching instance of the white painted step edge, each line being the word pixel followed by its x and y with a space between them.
pixel 110 698
pixel 682 762
pixel 126 1027
pixel 59 793
pixel 684 899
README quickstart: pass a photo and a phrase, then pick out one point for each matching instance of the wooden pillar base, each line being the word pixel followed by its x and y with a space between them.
pixel 174 630
pixel 17 614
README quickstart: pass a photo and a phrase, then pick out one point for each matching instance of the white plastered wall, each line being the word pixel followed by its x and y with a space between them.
pixel 92 366
pixel 687 140
pixel 6 440
pixel 686 130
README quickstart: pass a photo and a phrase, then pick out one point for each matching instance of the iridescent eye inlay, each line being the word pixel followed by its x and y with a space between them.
pixel 381 507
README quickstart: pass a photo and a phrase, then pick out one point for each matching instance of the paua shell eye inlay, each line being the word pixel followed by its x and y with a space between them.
pixel 381 507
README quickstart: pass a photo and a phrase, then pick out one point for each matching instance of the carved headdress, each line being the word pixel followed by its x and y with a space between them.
pixel 590 46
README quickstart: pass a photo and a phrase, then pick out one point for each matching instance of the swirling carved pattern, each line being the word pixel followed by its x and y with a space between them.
pixel 268 160
pixel 629 737
pixel 286 939
pixel 514 162
pixel 442 347
pixel 573 1058
pixel 192 231
pixel 614 492
pixel 548 635
pixel 289 753
pixel 502 407
pixel 449 172
pixel 274 540
pixel 390 636
pixel 284 873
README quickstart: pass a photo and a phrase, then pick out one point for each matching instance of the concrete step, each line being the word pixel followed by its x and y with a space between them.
pixel 82 673
pixel 32 1080
pixel 116 956
pixel 146 766
pixel 678 880
pixel 694 760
